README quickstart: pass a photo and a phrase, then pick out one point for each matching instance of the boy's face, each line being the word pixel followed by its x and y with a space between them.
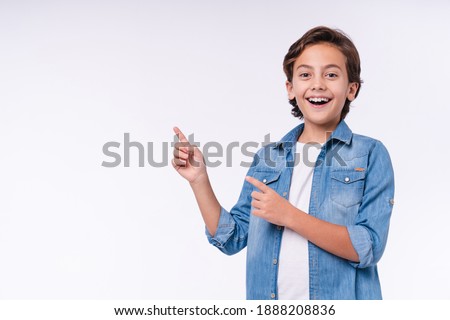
pixel 320 85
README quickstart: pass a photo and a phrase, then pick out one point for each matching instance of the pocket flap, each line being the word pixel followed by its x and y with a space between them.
pixel 348 176
pixel 267 176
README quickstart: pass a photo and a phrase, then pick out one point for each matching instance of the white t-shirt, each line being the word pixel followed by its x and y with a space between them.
pixel 293 268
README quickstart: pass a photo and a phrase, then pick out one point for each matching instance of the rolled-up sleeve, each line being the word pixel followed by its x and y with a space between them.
pixel 224 231
pixel 370 231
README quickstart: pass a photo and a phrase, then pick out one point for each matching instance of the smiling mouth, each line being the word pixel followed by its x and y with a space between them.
pixel 319 101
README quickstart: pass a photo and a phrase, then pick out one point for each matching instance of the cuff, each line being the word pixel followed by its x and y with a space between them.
pixel 362 242
pixel 224 229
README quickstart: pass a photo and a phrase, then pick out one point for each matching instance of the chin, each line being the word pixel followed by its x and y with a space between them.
pixel 318 120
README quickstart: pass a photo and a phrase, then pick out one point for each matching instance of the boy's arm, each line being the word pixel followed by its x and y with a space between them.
pixel 333 238
pixel 189 163
pixel 370 231
pixel 207 202
pixel 363 242
pixel 328 236
pixel 225 230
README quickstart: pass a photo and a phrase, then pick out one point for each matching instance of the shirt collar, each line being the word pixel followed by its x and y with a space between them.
pixel 341 133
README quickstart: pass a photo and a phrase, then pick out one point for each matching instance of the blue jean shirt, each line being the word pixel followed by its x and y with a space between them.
pixel 353 186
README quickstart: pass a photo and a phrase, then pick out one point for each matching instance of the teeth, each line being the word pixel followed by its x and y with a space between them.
pixel 319 99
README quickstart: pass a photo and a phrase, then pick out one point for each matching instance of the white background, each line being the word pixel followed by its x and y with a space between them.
pixel 77 74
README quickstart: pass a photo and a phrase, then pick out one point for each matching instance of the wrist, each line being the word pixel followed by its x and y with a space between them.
pixel 200 180
pixel 291 215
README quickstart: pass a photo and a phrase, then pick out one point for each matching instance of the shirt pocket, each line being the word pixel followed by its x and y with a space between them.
pixel 347 187
pixel 268 177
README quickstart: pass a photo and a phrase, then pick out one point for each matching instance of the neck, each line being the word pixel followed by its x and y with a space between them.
pixel 316 133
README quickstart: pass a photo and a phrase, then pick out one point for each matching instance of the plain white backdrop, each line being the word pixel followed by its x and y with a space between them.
pixel 77 74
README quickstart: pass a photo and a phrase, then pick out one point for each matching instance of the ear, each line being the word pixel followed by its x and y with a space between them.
pixel 290 90
pixel 352 90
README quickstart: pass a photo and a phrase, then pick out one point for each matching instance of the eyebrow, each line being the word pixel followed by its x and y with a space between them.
pixel 328 66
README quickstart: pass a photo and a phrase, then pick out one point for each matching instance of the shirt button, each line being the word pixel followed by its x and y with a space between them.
pixel 272 295
pixel 347 179
pixel 284 194
pixel 264 180
pixel 278 227
pixel 275 261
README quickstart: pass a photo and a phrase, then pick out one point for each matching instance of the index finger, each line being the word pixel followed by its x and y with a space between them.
pixel 261 186
pixel 180 134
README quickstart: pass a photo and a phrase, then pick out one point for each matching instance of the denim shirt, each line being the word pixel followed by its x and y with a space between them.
pixel 353 186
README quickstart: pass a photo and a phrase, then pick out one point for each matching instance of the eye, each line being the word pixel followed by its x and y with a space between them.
pixel 331 75
pixel 304 75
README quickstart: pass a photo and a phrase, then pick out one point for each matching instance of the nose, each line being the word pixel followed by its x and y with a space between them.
pixel 318 84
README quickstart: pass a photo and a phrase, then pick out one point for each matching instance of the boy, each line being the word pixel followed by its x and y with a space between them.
pixel 314 228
